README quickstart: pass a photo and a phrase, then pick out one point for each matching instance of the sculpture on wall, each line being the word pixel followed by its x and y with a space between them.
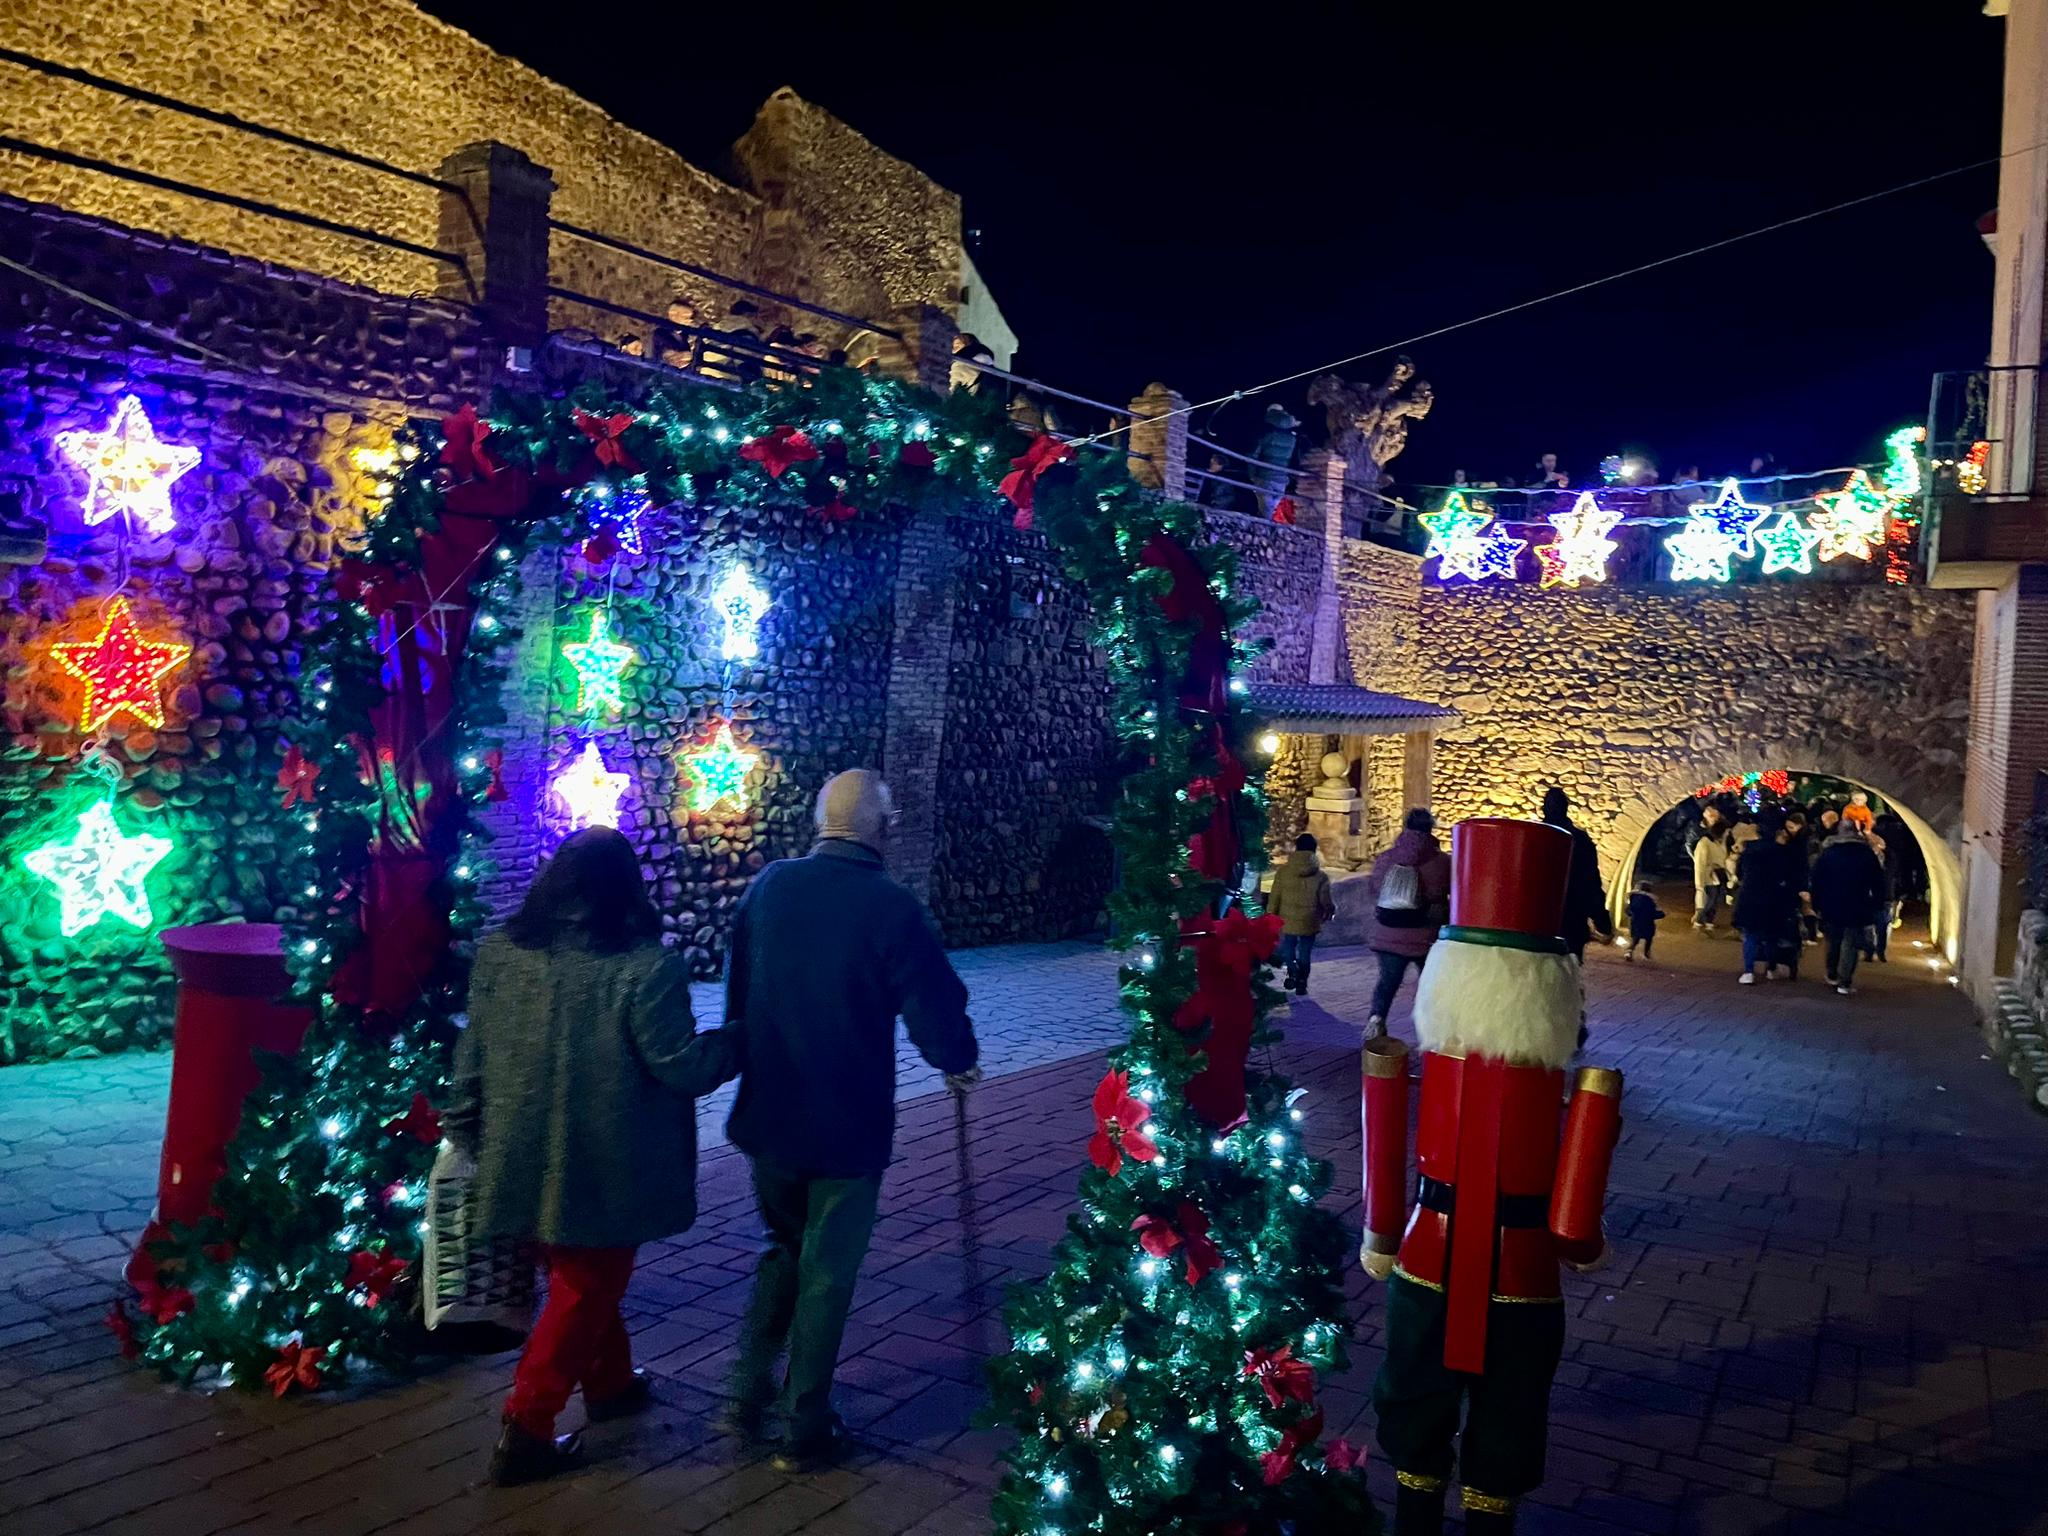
pixel 1368 428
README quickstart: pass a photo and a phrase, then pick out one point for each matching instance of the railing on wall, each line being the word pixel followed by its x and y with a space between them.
pixel 1230 481
pixel 1034 407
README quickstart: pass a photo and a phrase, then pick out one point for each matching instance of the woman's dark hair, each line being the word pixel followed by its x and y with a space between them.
pixel 593 883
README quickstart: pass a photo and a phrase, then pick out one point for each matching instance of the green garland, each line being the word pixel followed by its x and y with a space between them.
pixel 1129 1386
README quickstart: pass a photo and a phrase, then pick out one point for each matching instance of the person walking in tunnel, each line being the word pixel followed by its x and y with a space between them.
pixel 1410 891
pixel 826 952
pixel 1709 869
pixel 1301 899
pixel 1770 882
pixel 1585 897
pixel 1849 891
pixel 1643 913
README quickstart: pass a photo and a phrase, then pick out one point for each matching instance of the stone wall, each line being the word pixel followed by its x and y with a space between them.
pixel 1282 567
pixel 849 226
pixel 1631 697
pixel 241 579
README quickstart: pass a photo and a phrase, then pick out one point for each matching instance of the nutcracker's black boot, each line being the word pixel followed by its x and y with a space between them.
pixel 523 1457
pixel 1418 1512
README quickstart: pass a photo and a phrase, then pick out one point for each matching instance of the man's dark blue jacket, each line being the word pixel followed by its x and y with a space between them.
pixel 826 952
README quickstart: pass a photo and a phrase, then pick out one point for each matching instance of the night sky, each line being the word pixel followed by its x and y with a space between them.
pixel 1163 196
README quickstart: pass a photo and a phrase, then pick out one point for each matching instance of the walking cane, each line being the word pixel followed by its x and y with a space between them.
pixel 970 1219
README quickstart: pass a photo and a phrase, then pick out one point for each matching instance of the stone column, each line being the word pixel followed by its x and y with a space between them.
pixel 515 823
pixel 1322 478
pixel 1163 441
pixel 1418 756
pixel 1334 809
pixel 924 354
pixel 496 220
pixel 915 709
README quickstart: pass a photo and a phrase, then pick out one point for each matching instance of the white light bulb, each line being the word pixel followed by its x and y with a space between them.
pixel 1057 1488
pixel 1297 1191
pixel 330 1128
pixel 1239 686
pixel 1167 1454
pixel 1233 1280
pixel 1269 743
pixel 719 434
pixel 1276 1141
pixel 1219 1146
pixel 1084 1371
pixel 1294 1114
pixel 1149 1268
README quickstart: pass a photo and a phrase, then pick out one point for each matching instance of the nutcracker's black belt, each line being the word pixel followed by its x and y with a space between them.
pixel 1508 1210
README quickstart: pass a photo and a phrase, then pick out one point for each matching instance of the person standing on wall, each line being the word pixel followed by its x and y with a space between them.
pixel 572 1093
pixel 1410 891
pixel 827 951
pixel 1849 891
pixel 1275 454
pixel 1301 899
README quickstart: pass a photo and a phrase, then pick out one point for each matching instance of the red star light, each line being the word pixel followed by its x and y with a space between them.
pixel 121 670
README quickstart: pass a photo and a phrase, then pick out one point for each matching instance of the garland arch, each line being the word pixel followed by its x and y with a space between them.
pixel 1164 1376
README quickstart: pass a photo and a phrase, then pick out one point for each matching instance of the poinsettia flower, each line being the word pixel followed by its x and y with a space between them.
pixel 778 448
pixel 1278 1464
pixel 462 445
pixel 122 1327
pixel 296 1366
pixel 374 1272
pixel 1020 485
pixel 1283 1377
pixel 422 1122
pixel 1343 1456
pixel 916 455
pixel 605 433
pixel 162 1302
pixel 1118 1122
pixel 835 511
pixel 1188 1230
pixel 1283 511
pixel 297 777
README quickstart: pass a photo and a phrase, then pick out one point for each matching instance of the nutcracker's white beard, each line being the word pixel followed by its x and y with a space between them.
pixel 1519 1005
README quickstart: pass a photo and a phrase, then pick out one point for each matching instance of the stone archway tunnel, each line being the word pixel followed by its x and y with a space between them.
pixel 1630 698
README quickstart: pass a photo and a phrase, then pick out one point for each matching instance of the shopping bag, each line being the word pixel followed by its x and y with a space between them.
pixel 466 1279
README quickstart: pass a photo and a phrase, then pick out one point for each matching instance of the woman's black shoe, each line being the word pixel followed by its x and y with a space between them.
pixel 637 1397
pixel 813 1455
pixel 521 1457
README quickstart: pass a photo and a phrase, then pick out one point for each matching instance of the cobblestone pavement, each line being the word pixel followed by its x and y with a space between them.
pixel 1825 1311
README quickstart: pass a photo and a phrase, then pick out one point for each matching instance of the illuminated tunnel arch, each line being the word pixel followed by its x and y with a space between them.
pixel 1927 797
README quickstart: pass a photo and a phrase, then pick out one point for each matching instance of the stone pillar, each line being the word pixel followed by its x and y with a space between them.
pixel 1162 440
pixel 515 823
pixel 2008 746
pixel 496 220
pixel 1322 478
pixel 1334 813
pixel 924 354
pixel 915 708
pixel 1418 757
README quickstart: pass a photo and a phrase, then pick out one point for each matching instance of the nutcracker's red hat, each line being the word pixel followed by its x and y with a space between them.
pixel 1508 881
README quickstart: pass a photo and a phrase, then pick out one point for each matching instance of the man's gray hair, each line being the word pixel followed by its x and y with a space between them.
pixel 855 805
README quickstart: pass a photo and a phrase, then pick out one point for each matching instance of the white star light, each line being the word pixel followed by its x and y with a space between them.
pixel 740 604
pixel 128 468
pixel 589 790
pixel 100 872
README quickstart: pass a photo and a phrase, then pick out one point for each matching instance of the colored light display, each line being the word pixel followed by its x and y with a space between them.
pixel 128 468
pixel 1581 549
pixel 1787 544
pixel 1852 520
pixel 1733 516
pixel 99 872
pixel 740 605
pixel 589 790
pixel 620 511
pixel 1701 550
pixel 1463 542
pixel 1902 463
pixel 601 664
pixel 122 669
pixel 720 771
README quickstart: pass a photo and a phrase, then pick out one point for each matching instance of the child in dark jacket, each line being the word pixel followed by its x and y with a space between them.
pixel 1643 913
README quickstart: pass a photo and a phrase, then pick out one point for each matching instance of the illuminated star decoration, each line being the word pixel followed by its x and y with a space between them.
pixel 128 468
pixel 589 790
pixel 720 770
pixel 121 670
pixel 600 661
pixel 740 604
pixel 1580 550
pixel 620 512
pixel 1851 521
pixel 1461 549
pixel 1787 544
pixel 1735 517
pixel 1701 550
pixel 99 873
pixel 1902 463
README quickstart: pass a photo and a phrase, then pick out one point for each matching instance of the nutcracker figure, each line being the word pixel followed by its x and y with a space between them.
pixel 1475 1320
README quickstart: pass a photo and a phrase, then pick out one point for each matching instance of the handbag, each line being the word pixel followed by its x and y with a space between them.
pixel 467 1279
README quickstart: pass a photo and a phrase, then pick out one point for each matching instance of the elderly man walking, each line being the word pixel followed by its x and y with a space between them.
pixel 827 951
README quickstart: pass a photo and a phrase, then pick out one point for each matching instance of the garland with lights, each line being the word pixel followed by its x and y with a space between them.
pixel 1164 1375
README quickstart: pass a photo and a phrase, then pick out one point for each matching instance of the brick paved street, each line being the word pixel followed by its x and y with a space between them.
pixel 1826 1311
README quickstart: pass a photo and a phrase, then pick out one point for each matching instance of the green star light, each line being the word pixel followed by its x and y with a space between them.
pixel 600 662
pixel 1787 544
pixel 720 770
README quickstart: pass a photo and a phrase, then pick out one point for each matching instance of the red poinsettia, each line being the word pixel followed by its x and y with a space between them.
pixel 601 548
pixel 1284 1377
pixel 297 777
pixel 495 791
pixel 835 511
pixel 1119 1119
pixel 778 448
pixel 297 1366
pixel 1188 1230
pixel 916 455
pixel 1279 1463
pixel 122 1327
pixel 1020 485
pixel 374 1272
pixel 422 1122
pixel 462 445
pixel 162 1302
pixel 1343 1456
pixel 605 433
pixel 1283 511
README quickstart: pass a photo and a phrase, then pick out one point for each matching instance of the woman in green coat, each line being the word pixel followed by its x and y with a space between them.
pixel 574 1089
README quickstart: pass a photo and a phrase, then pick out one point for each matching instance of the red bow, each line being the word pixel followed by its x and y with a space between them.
pixel 916 455
pixel 1284 1377
pixel 1225 952
pixel 778 448
pixel 1343 1456
pixel 604 432
pixel 1020 485
pixel 297 1366
pixel 1188 1230
pixel 378 588
pixel 835 511
pixel 1278 1464
pixel 122 1327
pixel 1118 1117
pixel 462 445
pixel 162 1302
pixel 422 1122
pixel 374 1272
pixel 296 777
pixel 495 791
pixel 1283 511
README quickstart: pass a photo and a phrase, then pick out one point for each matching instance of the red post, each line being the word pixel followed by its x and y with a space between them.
pixel 1384 1102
